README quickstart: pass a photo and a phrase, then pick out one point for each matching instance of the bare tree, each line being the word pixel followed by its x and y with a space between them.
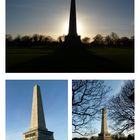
pixel 61 38
pixel 114 39
pixel 108 41
pixel 86 40
pixel 122 108
pixel 88 97
pixel 98 40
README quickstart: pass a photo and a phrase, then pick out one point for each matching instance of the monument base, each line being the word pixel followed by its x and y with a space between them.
pixel 38 134
pixel 72 41
pixel 104 137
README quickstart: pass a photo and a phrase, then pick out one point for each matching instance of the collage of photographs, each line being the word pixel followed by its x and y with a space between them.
pixel 69 70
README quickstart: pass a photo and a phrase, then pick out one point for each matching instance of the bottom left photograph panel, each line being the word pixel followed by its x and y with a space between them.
pixel 36 109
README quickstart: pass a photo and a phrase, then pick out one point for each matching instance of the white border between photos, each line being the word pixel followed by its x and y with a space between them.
pixel 2 70
pixel 103 76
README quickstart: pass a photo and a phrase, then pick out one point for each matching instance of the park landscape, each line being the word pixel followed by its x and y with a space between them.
pixel 114 98
pixel 76 50
pixel 38 53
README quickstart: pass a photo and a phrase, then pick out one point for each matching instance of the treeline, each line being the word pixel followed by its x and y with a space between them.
pixel 30 41
pixel 112 40
pixel 114 137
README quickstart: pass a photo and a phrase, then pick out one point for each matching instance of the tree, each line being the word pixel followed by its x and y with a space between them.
pixel 61 39
pixel 9 38
pixel 125 41
pixel 88 97
pixel 122 108
pixel 130 137
pixel 98 40
pixel 26 41
pixel 114 38
pixel 86 40
pixel 108 41
pixel 17 40
pixel 93 138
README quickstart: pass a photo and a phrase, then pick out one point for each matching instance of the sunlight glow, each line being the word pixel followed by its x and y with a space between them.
pixel 79 28
pixel 66 27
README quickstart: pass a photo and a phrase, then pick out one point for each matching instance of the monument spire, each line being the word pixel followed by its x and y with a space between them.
pixel 72 40
pixel 72 20
pixel 104 135
pixel 37 116
pixel 38 130
pixel 104 122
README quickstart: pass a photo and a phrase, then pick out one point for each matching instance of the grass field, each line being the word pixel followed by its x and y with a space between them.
pixel 17 56
pixel 91 60
pixel 122 56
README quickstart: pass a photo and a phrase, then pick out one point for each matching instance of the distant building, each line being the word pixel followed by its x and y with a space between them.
pixel 38 130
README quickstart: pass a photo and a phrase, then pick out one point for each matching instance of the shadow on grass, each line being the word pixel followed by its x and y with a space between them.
pixel 68 60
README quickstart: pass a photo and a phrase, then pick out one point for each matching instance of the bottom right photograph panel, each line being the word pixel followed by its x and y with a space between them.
pixel 103 109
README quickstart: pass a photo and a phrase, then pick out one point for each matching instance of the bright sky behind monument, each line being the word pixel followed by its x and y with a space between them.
pixel 51 17
pixel 19 104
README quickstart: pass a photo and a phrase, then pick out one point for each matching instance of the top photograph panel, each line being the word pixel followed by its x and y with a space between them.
pixel 70 36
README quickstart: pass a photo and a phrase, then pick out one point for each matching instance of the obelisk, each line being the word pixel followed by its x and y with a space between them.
pixel 72 39
pixel 104 135
pixel 38 130
pixel 72 20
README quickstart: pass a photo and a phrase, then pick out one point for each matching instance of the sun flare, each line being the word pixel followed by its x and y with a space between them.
pixel 79 27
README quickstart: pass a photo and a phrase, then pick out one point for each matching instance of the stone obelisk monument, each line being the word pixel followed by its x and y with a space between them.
pixel 72 38
pixel 104 135
pixel 38 130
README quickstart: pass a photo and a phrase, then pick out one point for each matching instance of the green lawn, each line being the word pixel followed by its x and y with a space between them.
pixel 93 60
pixel 123 56
pixel 18 56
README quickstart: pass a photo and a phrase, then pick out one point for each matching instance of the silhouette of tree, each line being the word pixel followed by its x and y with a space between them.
pixel 130 137
pixel 108 41
pixel 17 40
pixel 83 138
pixel 61 39
pixel 98 40
pixel 114 38
pixel 87 98
pixel 26 41
pixel 122 108
pixel 125 41
pixel 49 39
pixel 93 138
pixel 111 40
pixel 9 37
pixel 86 40
pixel 9 40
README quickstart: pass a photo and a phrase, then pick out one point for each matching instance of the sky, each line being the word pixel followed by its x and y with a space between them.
pixel 51 17
pixel 19 103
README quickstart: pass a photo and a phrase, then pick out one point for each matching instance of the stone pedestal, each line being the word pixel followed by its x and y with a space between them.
pixel 37 134
pixel 104 137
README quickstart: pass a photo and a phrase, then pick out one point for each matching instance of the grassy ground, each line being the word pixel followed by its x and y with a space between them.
pixel 91 60
pixel 17 56
pixel 121 56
